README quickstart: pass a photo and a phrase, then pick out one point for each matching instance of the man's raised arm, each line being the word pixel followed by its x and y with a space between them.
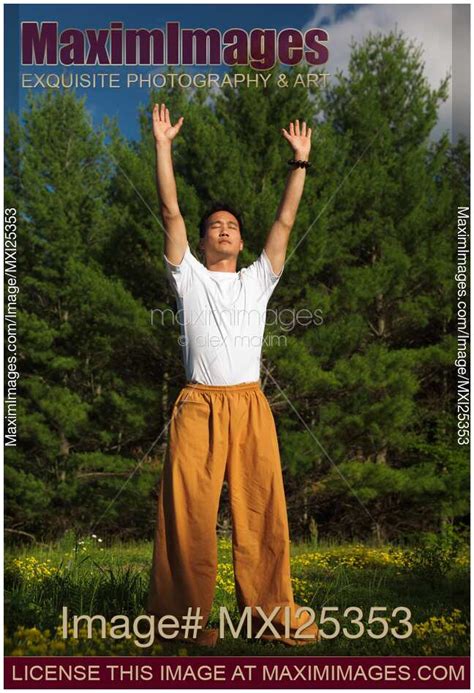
pixel 175 230
pixel 279 234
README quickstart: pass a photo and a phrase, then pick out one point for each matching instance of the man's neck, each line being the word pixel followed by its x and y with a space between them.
pixel 228 264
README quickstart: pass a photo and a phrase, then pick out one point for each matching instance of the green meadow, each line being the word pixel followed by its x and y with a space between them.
pixel 90 576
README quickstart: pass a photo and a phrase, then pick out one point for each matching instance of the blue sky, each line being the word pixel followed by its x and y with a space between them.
pixel 123 103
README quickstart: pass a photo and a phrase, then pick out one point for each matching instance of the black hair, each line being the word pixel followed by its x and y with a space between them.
pixel 220 207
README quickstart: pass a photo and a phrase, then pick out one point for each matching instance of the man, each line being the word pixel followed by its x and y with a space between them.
pixel 222 427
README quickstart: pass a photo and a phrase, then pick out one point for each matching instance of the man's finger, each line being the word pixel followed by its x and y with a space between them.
pixel 292 129
pixel 286 134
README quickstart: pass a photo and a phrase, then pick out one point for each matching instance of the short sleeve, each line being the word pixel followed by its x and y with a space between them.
pixel 262 273
pixel 181 276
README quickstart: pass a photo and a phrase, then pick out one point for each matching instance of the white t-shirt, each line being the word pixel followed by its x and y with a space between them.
pixel 222 318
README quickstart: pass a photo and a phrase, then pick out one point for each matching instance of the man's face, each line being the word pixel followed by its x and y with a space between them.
pixel 222 238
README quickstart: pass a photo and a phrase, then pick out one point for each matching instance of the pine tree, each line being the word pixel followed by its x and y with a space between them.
pixel 83 398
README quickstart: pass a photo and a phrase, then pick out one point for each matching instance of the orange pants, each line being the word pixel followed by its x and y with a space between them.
pixel 217 433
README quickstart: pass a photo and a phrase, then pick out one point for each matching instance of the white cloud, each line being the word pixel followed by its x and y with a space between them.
pixel 430 26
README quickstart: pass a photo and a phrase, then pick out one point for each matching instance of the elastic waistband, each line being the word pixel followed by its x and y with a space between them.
pixel 224 388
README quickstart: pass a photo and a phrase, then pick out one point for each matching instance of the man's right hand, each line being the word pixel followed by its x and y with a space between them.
pixel 175 230
pixel 163 131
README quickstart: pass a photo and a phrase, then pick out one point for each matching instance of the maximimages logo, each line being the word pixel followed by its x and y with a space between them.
pixel 43 44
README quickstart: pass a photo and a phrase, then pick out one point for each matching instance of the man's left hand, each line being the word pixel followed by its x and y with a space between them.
pixel 299 139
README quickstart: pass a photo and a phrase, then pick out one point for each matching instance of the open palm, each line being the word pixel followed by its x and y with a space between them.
pixel 162 128
pixel 299 138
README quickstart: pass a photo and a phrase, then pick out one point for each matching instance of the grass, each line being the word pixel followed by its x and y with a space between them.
pixel 94 578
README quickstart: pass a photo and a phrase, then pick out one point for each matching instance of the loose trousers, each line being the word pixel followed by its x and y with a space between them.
pixel 217 433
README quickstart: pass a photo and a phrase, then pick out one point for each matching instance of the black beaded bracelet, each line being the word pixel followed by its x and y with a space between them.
pixel 299 163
